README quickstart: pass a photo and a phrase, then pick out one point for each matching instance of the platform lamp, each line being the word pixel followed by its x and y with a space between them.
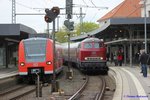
pixel 145 29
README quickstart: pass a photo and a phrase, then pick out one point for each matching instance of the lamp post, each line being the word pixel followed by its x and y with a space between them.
pixel 145 31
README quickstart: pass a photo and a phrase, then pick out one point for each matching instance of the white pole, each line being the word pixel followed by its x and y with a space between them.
pixel 145 26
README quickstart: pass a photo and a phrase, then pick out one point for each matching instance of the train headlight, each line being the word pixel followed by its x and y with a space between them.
pixel 86 58
pixel 101 58
pixel 48 62
pixel 22 64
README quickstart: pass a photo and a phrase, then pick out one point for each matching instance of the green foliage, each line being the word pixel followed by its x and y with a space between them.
pixel 62 35
pixel 86 27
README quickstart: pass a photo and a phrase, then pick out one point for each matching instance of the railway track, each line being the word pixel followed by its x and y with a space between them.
pixel 92 89
pixel 17 92
pixel 10 90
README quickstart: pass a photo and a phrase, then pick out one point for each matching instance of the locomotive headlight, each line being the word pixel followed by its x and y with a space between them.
pixel 48 62
pixel 86 58
pixel 101 58
pixel 22 64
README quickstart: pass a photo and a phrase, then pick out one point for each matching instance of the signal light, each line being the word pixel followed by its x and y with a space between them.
pixel 46 18
pixel 69 25
pixel 55 10
pixel 51 14
pixel 46 10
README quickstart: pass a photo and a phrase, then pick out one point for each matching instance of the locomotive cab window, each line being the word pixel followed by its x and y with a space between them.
pixel 87 45
pixel 97 45
pixel 92 45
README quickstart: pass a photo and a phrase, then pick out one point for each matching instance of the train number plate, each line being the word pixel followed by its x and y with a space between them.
pixel 34 71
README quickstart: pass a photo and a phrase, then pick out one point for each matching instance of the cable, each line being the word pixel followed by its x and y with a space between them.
pixel 86 5
pixel 25 6
pixel 92 3
pixel 84 2
pixel 94 16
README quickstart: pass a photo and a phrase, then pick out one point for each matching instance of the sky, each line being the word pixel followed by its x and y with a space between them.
pixel 38 6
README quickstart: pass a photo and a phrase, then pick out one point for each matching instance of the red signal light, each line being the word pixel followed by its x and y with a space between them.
pixel 55 10
pixel 46 18
pixel 51 14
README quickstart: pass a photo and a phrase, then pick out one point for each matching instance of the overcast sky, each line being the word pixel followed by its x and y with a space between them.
pixel 37 21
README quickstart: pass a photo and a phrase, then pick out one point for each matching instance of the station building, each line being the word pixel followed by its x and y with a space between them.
pixel 10 36
pixel 124 28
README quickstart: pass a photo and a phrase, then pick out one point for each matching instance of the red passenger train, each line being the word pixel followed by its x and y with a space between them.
pixel 36 56
pixel 89 55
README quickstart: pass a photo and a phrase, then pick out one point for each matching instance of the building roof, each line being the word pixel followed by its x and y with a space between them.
pixel 126 9
pixel 15 29
pixel 113 22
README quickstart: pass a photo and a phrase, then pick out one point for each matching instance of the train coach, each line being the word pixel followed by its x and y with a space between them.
pixel 36 57
pixel 88 55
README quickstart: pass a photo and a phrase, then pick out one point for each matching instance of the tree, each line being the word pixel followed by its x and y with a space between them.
pixel 87 27
pixel 62 35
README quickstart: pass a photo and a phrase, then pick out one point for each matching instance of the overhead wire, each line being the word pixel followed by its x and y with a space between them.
pixel 92 3
pixel 38 2
pixel 86 5
pixel 25 6
pixel 94 16
pixel 95 13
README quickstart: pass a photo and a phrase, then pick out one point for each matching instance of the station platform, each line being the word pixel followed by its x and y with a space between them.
pixel 8 72
pixel 130 83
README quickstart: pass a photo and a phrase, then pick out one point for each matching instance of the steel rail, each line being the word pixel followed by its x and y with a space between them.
pixel 77 94
pixel 12 90
pixel 23 94
pixel 101 93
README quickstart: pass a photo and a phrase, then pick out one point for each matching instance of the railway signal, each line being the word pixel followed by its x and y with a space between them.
pixel 51 14
pixel 69 4
pixel 69 25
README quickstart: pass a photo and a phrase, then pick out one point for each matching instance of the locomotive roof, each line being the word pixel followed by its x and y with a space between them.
pixel 39 38
pixel 72 44
pixel 91 39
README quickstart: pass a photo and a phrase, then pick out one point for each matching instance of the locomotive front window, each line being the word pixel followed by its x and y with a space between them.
pixel 87 45
pixel 97 45
pixel 35 50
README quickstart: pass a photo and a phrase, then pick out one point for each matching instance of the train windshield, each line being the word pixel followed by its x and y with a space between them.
pixel 35 50
pixel 87 45
pixel 92 45
pixel 97 45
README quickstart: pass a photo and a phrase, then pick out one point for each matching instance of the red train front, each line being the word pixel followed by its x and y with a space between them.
pixel 89 55
pixel 36 56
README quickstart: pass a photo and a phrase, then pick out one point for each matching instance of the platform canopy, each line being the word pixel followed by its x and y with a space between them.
pixel 15 32
pixel 113 24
